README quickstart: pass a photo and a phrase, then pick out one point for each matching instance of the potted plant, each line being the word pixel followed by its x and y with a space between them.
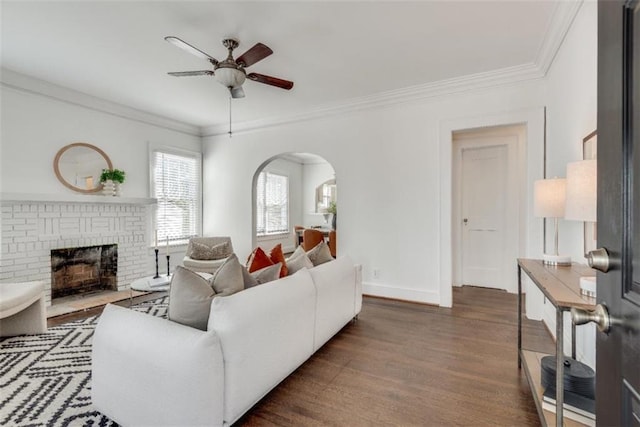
pixel 333 209
pixel 111 180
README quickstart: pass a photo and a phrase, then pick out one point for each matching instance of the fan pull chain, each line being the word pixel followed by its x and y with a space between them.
pixel 230 99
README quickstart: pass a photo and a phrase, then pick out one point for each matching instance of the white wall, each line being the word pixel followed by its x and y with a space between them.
pixel 35 126
pixel 571 98
pixel 387 163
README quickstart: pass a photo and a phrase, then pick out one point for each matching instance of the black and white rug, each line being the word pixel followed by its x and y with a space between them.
pixel 45 380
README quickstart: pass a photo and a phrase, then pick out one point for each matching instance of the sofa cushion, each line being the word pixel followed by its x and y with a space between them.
pixel 277 256
pixel 190 298
pixel 204 248
pixel 228 279
pixel 266 332
pixel 258 260
pixel 320 254
pixel 298 261
pixel 336 297
pixel 267 274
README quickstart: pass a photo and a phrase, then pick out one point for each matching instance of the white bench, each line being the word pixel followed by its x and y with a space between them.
pixel 22 309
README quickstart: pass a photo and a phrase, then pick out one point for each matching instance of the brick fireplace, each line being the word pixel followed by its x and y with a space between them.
pixel 32 229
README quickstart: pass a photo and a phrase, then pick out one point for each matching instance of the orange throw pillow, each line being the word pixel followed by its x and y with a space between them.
pixel 277 256
pixel 258 260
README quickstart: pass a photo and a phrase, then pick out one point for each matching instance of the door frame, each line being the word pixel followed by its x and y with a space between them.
pixel 532 156
pixel 514 232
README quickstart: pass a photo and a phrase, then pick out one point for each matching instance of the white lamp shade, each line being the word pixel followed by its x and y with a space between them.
pixel 581 204
pixel 549 198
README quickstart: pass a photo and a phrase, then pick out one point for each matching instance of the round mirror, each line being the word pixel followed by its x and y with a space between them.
pixel 78 166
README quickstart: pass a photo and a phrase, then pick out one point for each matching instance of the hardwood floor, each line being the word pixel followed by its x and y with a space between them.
pixel 410 364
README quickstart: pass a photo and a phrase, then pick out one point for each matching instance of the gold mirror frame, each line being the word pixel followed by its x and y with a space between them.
pixel 321 198
pixel 61 178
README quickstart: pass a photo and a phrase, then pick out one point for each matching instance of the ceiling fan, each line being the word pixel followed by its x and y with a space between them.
pixel 231 72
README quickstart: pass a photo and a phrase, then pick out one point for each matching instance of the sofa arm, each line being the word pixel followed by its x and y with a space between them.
pixel 151 371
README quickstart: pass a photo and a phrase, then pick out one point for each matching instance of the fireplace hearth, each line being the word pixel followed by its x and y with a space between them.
pixel 77 271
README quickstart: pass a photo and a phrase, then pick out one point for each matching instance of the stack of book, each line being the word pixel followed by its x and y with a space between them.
pixel 576 406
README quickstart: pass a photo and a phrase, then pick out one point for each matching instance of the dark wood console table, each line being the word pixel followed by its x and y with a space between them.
pixel 560 285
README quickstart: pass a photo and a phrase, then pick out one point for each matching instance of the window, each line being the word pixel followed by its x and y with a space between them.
pixel 176 184
pixel 272 204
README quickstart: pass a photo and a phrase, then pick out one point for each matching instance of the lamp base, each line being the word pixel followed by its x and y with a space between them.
pixel 556 259
pixel 588 286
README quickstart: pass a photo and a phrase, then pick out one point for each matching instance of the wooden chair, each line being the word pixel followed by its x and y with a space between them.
pixel 332 243
pixel 310 238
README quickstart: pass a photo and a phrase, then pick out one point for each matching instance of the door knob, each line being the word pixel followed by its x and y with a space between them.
pixel 599 259
pixel 465 221
pixel 599 316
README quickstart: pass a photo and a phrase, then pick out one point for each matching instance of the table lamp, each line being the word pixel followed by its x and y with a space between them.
pixel 581 204
pixel 549 202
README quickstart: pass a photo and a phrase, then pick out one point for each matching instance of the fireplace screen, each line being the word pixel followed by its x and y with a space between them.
pixel 81 270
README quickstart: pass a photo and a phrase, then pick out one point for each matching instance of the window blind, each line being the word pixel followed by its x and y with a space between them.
pixel 272 204
pixel 176 184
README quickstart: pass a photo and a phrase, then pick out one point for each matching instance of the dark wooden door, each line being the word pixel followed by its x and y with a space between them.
pixel 618 352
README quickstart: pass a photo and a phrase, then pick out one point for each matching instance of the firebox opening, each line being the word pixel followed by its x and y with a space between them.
pixel 77 271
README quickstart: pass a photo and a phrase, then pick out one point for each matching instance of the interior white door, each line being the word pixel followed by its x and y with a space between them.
pixel 483 184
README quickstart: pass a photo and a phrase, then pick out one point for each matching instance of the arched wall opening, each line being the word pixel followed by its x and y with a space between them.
pixel 310 182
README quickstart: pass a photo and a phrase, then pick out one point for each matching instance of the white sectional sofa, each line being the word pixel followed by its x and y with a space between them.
pixel 149 371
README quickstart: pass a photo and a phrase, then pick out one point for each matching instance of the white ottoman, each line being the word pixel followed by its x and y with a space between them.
pixel 22 309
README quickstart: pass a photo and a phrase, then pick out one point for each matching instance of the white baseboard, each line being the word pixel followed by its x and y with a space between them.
pixel 378 290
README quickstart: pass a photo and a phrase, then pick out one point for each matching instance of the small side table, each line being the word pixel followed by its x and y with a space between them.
pixel 149 284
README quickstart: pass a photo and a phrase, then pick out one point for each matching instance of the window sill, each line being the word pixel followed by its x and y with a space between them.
pixel 274 236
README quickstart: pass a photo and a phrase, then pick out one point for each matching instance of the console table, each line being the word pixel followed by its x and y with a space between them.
pixel 560 285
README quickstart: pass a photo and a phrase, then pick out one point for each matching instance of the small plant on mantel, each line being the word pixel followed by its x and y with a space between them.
pixel 115 175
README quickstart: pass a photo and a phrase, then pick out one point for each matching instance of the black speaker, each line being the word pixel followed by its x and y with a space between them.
pixel 578 377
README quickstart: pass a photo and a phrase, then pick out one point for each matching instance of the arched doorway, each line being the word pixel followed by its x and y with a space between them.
pixel 289 190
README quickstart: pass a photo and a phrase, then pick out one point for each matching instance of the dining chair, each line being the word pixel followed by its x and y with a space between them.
pixel 310 238
pixel 332 243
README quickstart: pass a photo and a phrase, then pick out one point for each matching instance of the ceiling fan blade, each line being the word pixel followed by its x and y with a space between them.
pixel 237 92
pixel 273 81
pixel 191 49
pixel 191 73
pixel 253 55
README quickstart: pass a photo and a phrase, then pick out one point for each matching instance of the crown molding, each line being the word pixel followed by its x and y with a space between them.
pixel 561 21
pixel 563 16
pixel 493 78
pixel 20 82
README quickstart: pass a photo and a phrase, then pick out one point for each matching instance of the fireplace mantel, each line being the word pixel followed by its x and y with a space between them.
pixel 74 198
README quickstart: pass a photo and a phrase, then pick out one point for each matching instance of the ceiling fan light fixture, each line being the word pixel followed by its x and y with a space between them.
pixel 230 77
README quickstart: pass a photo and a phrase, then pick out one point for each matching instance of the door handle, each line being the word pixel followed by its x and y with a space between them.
pixel 599 259
pixel 465 221
pixel 599 316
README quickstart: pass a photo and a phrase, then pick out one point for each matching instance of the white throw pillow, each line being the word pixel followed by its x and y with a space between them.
pixel 190 298
pixel 267 274
pixel 298 262
pixel 228 279
pixel 320 254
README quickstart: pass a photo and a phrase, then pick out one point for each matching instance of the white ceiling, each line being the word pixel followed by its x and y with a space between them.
pixel 334 51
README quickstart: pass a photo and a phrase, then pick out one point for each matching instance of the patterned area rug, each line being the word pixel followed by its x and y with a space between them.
pixel 45 380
